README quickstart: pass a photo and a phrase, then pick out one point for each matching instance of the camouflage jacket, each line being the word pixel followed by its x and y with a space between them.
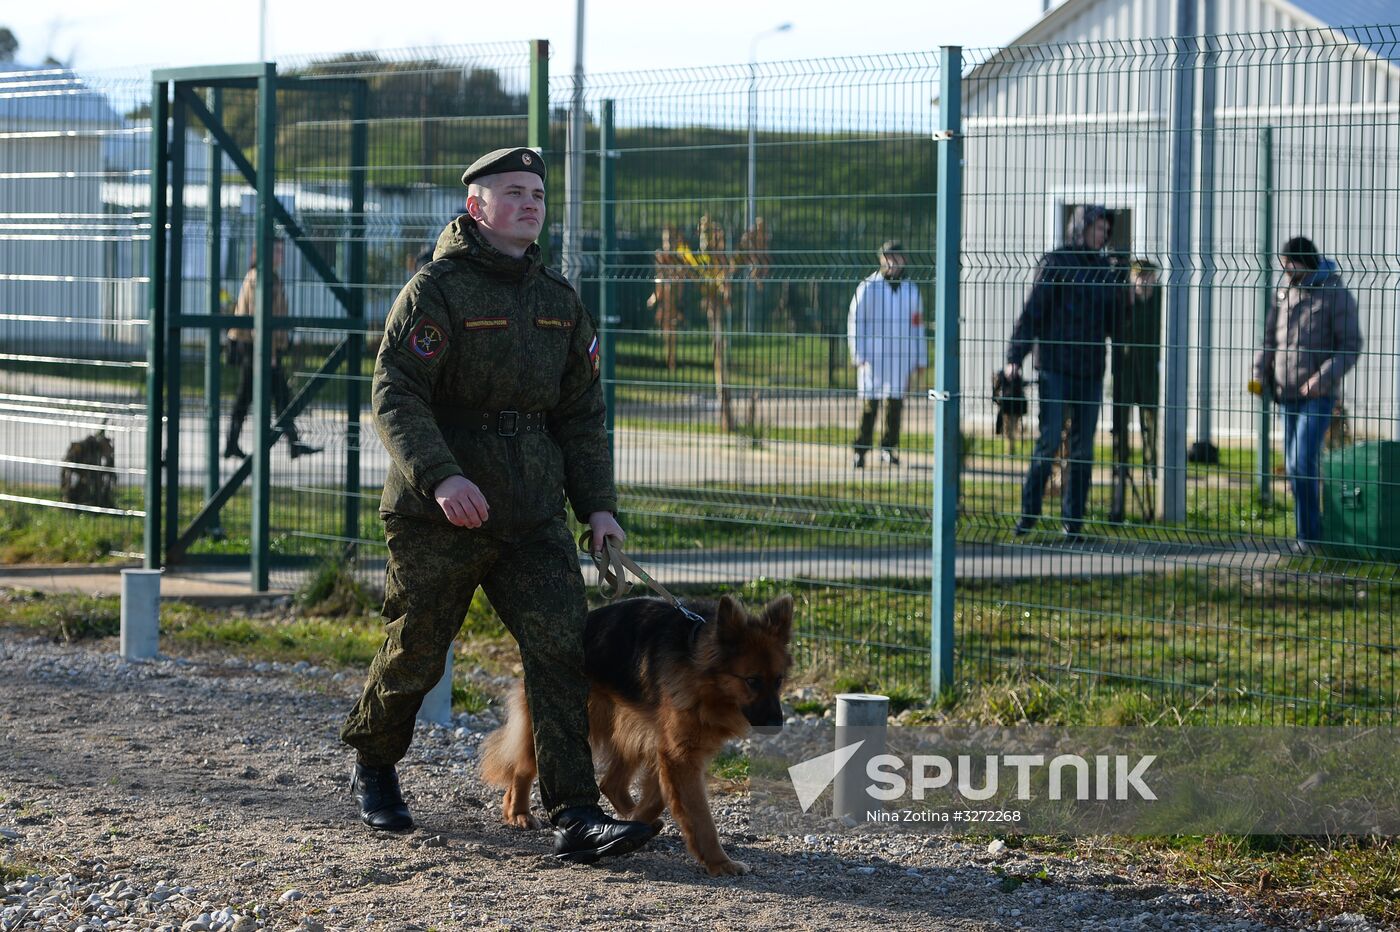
pixel 479 331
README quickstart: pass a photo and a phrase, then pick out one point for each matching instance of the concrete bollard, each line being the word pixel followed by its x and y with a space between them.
pixel 859 717
pixel 140 631
pixel 437 704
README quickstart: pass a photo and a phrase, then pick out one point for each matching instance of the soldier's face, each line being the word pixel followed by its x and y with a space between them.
pixel 511 211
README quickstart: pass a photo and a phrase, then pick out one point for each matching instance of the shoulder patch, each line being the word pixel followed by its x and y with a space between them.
pixel 427 341
pixel 593 353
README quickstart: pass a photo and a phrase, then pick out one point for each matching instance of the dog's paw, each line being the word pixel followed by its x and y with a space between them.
pixel 522 820
pixel 727 867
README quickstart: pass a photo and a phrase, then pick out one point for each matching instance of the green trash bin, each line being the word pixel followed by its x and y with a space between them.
pixel 1361 501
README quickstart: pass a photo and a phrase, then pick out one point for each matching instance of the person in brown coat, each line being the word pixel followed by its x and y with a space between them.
pixel 1312 338
pixel 240 352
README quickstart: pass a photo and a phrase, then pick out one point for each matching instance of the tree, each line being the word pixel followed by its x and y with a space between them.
pixel 9 45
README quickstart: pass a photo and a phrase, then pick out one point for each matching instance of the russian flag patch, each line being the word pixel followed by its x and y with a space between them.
pixel 593 353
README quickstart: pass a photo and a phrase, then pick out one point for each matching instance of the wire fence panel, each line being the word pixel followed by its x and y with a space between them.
pixel 72 328
pixel 750 204
pixel 1185 571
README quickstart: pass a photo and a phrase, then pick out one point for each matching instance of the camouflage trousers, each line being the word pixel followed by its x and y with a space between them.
pixel 537 590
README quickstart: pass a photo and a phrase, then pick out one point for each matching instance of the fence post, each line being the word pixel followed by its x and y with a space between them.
pixel 155 326
pixel 947 392
pixel 213 359
pixel 1177 361
pixel 537 116
pixel 1205 356
pixel 1265 451
pixel 863 718
pixel 607 256
pixel 140 614
pixel 174 307
pixel 355 339
pixel 436 708
pixel 262 327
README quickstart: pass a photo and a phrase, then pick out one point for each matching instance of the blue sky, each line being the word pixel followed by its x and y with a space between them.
pixel 622 35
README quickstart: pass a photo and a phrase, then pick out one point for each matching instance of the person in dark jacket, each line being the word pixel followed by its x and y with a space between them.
pixel 1077 293
pixel 1312 338
pixel 487 397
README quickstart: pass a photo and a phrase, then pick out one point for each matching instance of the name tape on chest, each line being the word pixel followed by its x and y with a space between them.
pixel 554 323
pixel 486 323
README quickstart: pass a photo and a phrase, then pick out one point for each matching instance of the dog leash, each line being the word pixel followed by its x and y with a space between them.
pixel 613 566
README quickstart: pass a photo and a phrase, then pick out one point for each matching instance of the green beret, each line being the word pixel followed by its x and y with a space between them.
pixel 521 159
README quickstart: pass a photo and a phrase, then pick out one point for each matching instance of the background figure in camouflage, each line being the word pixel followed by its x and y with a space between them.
pixel 1134 360
pixel 486 395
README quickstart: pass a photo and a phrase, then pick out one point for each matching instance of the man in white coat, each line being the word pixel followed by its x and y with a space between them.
pixel 885 332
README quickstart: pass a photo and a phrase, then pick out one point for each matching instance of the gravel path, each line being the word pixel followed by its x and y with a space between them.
pixel 210 794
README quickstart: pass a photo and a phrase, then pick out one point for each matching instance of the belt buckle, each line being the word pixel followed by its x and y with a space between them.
pixel 507 423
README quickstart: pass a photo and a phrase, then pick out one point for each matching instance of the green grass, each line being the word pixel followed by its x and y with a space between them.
pixel 730 766
pixel 1322 877
pixel 1186 646
pixel 32 534
pixel 11 871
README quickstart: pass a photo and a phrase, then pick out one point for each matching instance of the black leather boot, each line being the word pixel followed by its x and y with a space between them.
pixel 382 807
pixel 583 834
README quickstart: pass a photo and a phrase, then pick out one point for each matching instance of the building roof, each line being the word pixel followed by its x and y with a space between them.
pixel 51 94
pixel 1370 24
pixel 1352 17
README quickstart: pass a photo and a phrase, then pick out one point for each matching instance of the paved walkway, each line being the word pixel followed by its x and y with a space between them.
pixel 224 585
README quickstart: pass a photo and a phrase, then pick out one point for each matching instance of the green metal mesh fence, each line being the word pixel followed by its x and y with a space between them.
pixel 72 327
pixel 1185 575
pixel 748 206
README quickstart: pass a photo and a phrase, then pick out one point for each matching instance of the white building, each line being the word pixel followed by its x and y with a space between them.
pixel 54 233
pixel 1079 109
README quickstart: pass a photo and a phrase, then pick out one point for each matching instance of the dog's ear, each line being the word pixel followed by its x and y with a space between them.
pixel 778 615
pixel 731 617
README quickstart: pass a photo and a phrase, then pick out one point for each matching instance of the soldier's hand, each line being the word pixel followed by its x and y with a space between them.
pixel 604 525
pixel 461 501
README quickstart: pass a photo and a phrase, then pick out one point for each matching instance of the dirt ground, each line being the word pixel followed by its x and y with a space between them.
pixel 210 793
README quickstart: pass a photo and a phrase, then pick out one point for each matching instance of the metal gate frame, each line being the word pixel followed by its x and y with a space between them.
pixel 177 95
pixel 175 98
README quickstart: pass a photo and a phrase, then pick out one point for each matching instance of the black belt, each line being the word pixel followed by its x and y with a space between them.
pixel 504 423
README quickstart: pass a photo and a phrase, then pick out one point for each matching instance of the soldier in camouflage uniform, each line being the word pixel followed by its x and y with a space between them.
pixel 486 395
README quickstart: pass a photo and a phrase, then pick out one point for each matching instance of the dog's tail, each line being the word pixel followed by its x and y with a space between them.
pixel 510 750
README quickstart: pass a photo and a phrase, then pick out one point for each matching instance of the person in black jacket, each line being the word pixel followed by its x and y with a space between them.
pixel 1077 293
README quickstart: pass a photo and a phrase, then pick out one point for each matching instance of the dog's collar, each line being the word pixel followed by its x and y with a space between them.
pixel 697 621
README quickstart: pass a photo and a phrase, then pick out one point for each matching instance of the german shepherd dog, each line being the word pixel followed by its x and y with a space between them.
pixel 667 691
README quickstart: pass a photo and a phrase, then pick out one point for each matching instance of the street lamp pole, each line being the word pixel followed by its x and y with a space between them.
pixel 751 208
